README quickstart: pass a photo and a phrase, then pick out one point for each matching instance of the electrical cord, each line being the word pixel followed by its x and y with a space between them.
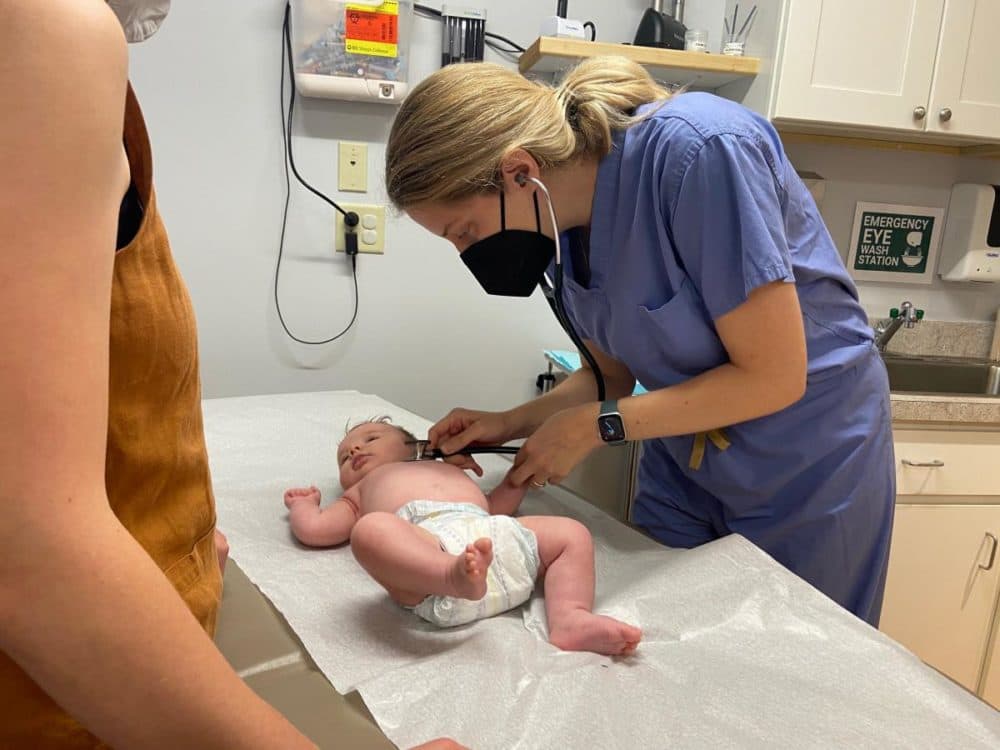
pixel 426 10
pixel 350 218
pixel 511 54
pixel 505 40
pixel 593 30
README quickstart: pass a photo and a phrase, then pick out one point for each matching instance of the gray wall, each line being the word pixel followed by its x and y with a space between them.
pixel 426 338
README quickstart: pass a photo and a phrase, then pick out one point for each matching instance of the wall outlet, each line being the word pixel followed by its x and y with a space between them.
pixel 353 173
pixel 371 229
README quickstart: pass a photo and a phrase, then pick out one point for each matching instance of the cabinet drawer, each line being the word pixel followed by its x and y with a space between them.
pixel 947 463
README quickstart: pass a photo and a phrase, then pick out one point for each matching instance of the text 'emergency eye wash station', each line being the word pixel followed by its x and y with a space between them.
pixel 737 649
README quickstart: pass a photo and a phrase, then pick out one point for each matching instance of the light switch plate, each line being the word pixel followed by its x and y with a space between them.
pixel 373 215
pixel 353 172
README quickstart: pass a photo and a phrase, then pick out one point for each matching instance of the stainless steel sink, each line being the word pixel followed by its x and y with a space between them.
pixel 938 375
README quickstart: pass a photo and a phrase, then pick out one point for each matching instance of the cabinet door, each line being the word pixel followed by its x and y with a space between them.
pixel 858 62
pixel 991 685
pixel 966 94
pixel 941 589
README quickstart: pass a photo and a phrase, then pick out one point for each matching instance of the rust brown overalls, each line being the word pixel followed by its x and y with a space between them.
pixel 157 474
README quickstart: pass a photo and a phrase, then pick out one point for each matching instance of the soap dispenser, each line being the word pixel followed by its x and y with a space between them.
pixel 970 249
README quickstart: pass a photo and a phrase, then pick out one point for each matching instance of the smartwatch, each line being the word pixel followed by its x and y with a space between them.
pixel 610 424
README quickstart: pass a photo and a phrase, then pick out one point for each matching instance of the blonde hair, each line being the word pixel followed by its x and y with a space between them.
pixel 455 128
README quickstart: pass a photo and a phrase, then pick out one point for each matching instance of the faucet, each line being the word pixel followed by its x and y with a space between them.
pixel 906 314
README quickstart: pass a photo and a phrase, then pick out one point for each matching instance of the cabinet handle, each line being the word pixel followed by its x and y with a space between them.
pixel 919 113
pixel 993 552
pixel 945 114
pixel 935 464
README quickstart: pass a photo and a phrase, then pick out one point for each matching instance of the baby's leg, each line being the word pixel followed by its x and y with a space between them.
pixel 410 564
pixel 567 552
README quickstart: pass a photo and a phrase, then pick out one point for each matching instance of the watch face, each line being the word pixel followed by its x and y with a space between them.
pixel 611 427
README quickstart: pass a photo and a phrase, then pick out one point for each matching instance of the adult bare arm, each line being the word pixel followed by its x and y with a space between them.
pixel 86 613
pixel 766 373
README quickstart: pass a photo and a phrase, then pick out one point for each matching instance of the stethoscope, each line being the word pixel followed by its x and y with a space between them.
pixel 553 295
pixel 553 291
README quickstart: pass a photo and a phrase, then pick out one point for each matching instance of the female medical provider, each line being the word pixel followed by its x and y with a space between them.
pixel 694 261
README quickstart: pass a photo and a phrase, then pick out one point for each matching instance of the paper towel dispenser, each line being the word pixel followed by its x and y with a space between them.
pixel 970 249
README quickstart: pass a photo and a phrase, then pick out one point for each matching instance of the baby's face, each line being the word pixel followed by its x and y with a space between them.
pixel 368 446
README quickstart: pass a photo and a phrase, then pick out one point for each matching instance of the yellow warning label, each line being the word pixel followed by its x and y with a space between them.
pixel 373 31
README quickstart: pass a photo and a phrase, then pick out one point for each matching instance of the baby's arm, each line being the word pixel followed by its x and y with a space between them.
pixel 505 498
pixel 320 528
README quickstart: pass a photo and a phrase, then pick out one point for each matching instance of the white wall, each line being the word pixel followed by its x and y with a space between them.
pixel 908 178
pixel 427 338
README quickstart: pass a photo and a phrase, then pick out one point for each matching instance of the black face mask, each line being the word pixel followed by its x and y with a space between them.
pixel 511 262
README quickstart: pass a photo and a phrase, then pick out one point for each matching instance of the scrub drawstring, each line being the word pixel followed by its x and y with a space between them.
pixel 719 440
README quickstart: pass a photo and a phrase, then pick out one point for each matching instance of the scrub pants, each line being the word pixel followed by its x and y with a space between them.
pixel 830 524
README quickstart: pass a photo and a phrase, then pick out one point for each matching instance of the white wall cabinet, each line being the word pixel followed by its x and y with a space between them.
pixel 855 62
pixel 922 70
pixel 965 98
pixel 943 586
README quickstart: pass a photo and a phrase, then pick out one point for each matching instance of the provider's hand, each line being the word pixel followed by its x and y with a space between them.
pixel 464 427
pixel 555 448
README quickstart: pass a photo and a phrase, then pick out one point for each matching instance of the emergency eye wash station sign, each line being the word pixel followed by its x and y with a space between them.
pixel 895 243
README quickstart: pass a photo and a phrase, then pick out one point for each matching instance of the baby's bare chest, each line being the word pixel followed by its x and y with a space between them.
pixel 390 487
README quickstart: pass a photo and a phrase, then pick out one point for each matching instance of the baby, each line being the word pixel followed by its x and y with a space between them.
pixel 427 534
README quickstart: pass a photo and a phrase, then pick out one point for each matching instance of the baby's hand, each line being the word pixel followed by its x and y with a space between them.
pixel 298 495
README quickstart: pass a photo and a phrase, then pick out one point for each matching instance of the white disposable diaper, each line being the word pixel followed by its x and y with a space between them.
pixel 511 577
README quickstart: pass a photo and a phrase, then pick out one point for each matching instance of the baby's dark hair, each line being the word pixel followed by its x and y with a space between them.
pixel 385 419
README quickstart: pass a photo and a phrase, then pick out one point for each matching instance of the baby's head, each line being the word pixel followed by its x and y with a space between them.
pixel 370 444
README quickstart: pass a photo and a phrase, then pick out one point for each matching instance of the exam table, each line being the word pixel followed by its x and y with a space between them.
pixel 737 651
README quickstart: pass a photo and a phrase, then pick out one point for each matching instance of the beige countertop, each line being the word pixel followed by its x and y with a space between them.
pixel 975 412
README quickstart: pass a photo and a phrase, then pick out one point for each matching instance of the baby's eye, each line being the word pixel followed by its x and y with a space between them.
pixel 371 437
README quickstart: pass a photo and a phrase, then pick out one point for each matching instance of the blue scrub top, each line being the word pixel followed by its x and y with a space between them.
pixel 694 208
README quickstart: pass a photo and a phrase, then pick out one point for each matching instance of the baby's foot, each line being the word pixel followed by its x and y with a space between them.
pixel 298 495
pixel 468 573
pixel 584 631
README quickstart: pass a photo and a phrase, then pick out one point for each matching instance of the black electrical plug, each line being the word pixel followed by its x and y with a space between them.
pixel 351 221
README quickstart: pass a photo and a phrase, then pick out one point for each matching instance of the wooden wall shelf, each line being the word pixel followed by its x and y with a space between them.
pixel 699 70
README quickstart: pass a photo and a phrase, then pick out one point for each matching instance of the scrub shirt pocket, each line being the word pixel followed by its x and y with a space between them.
pixel 677 338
